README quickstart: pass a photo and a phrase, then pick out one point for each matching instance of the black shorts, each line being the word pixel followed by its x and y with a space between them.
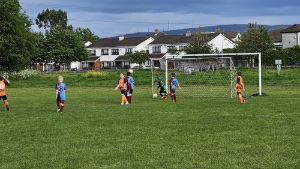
pixel 3 97
pixel 123 91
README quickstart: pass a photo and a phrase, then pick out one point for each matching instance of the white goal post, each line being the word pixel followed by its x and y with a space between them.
pixel 226 56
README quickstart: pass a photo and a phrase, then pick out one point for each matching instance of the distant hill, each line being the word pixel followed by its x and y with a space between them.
pixel 232 27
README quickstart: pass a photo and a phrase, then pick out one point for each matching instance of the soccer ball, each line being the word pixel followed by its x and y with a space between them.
pixel 154 95
pixel 130 70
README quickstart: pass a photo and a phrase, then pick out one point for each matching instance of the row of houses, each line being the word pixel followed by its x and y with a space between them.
pixel 113 53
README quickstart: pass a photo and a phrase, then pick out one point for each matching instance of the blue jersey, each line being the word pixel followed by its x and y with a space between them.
pixel 61 88
pixel 130 82
pixel 173 83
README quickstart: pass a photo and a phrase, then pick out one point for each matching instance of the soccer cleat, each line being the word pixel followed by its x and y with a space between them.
pixel 58 110
pixel 122 103
pixel 244 101
pixel 7 108
pixel 127 103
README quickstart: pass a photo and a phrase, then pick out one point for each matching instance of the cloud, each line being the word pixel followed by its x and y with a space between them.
pixel 115 17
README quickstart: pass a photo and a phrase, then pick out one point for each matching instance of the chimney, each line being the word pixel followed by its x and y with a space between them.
pixel 156 31
pixel 218 30
pixel 188 33
pixel 121 37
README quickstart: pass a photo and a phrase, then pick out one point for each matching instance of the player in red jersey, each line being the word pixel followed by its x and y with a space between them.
pixel 173 84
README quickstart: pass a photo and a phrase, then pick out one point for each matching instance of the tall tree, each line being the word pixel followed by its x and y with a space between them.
pixel 255 39
pixel 139 57
pixel 50 18
pixel 199 44
pixel 15 36
pixel 86 34
pixel 64 46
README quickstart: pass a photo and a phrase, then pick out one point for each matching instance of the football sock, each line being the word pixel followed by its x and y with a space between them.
pixel 61 108
pixel 58 105
pixel 129 99
pixel 174 96
pixel 6 102
pixel 241 99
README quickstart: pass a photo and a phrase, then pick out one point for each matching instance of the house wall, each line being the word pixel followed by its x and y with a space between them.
pixel 97 65
pixel 290 39
pixel 221 42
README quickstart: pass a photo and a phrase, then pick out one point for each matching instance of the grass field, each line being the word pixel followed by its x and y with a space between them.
pixel 95 131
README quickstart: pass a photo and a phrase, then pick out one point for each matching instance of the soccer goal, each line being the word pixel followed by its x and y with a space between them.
pixel 205 75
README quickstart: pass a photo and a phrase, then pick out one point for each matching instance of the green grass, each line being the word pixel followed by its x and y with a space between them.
pixel 95 131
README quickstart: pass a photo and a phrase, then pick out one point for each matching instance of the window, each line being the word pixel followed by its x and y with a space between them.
pixel 156 49
pixel 115 51
pixel 92 52
pixel 182 47
pixel 170 47
pixel 128 51
pixel 104 51
pixel 84 65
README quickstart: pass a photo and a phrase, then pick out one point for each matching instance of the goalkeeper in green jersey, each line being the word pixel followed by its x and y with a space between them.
pixel 162 88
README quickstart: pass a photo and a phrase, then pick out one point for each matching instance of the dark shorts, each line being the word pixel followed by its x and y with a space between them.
pixel 3 97
pixel 123 91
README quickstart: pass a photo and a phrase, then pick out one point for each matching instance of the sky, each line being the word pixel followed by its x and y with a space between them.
pixel 107 18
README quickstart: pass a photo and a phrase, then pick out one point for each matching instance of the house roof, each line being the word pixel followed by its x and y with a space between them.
pixel 276 35
pixel 175 39
pixel 93 58
pixel 115 42
pixel 292 29
pixel 230 34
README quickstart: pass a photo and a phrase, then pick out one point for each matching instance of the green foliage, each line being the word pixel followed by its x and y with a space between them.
pixel 95 131
pixel 138 57
pixel 16 47
pixel 51 18
pixel 289 56
pixel 86 34
pixel 255 39
pixel 21 75
pixel 199 44
pixel 64 46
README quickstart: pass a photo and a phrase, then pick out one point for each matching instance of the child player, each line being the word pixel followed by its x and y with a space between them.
pixel 130 86
pixel 173 84
pixel 60 89
pixel 240 87
pixel 162 88
pixel 3 83
pixel 122 85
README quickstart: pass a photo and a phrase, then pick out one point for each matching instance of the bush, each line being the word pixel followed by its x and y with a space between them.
pixel 24 74
pixel 93 74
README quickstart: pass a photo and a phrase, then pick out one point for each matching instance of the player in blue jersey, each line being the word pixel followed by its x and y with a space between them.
pixel 173 84
pixel 130 86
pixel 60 89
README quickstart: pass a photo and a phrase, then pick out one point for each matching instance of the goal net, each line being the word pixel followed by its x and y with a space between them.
pixel 201 75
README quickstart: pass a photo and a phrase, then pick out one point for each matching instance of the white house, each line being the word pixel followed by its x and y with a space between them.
pixel 291 36
pixel 109 49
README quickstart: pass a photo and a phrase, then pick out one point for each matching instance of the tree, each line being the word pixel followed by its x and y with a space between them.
pixel 86 34
pixel 199 44
pixel 255 39
pixel 139 57
pixel 15 37
pixel 64 46
pixel 50 18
